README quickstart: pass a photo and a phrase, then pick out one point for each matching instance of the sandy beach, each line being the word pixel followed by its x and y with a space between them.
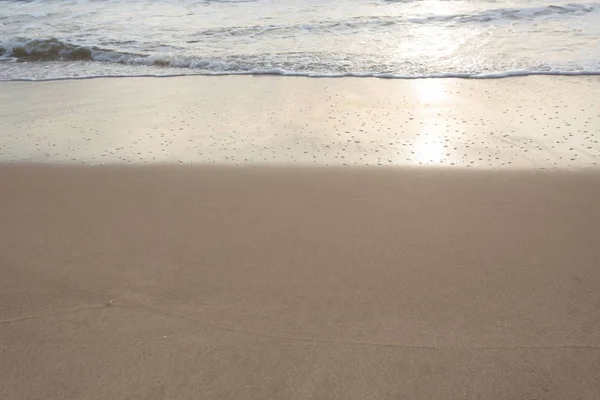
pixel 531 122
pixel 151 274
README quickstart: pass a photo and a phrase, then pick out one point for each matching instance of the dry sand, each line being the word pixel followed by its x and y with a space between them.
pixel 274 283
pixel 289 282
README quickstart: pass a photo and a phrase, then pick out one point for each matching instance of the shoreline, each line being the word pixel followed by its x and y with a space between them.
pixel 359 75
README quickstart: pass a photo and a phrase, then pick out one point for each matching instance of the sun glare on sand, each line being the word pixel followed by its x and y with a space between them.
pixel 431 91
pixel 428 145
pixel 429 151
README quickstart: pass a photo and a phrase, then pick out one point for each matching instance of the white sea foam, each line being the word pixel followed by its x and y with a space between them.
pixel 386 39
pixel 275 72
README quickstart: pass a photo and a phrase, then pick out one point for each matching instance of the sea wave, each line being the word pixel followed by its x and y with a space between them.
pixel 53 49
pixel 385 22
pixel 43 50
pixel 316 64
pixel 515 14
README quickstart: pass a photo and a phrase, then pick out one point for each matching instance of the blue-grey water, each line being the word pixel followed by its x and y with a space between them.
pixel 51 39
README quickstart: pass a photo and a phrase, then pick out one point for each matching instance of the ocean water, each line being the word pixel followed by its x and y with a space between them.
pixel 57 39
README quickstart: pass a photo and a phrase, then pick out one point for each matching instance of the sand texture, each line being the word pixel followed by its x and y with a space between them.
pixel 532 122
pixel 289 283
pixel 294 238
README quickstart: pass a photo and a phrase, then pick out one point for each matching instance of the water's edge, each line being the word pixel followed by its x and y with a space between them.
pixel 497 75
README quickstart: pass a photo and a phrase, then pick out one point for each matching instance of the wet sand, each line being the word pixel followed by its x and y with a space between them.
pixel 532 122
pixel 461 270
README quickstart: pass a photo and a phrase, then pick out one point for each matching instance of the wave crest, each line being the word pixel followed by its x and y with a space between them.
pixel 315 64
pixel 45 50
